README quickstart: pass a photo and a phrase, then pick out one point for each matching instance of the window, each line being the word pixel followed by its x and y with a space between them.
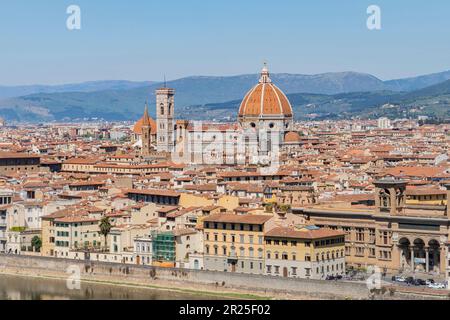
pixel 242 252
pixel 251 252
pixel 359 234
pixel 241 238
pixel 371 235
pixel 260 253
pixel 269 269
pixel 360 251
pixel 385 237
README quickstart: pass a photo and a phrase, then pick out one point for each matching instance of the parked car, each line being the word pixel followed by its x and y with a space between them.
pixel 437 286
pixel 398 279
pixel 429 281
pixel 420 282
pixel 330 278
pixel 409 280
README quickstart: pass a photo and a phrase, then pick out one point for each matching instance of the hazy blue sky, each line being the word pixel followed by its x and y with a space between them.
pixel 145 39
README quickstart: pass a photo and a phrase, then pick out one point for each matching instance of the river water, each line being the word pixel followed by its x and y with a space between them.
pixel 28 288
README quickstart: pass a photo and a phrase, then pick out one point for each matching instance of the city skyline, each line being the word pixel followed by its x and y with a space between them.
pixel 150 40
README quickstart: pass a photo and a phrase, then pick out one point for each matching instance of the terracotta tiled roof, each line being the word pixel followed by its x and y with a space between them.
pixel 137 129
pixel 292 137
pixel 232 218
pixel 282 232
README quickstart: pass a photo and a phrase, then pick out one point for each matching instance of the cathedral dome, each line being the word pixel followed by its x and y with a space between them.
pixel 265 100
pixel 292 137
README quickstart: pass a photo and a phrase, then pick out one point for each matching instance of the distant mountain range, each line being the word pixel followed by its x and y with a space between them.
pixel 323 96
pixel 91 86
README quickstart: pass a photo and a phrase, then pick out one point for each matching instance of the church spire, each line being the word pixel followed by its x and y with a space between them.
pixel 146 118
pixel 146 133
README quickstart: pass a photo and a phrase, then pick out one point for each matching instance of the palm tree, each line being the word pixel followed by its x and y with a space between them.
pixel 105 228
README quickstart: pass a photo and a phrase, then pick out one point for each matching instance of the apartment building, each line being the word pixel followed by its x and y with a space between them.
pixel 234 243
pixel 306 252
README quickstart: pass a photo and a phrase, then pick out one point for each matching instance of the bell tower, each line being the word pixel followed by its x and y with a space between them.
pixel 390 195
pixel 165 104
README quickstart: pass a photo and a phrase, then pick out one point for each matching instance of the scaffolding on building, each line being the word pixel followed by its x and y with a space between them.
pixel 163 246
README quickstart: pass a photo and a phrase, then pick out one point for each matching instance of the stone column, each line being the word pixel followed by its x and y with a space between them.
pixel 435 254
pixel 443 259
pixel 412 259
pixel 393 201
pixel 396 257
pixel 427 263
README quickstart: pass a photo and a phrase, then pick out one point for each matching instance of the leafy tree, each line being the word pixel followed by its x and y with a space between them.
pixel 36 243
pixel 105 228
pixel 285 208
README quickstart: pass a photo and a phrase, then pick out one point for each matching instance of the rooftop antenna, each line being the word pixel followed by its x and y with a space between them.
pixel 165 84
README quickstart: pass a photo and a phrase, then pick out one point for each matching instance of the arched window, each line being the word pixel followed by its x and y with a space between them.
pixel 260 253
pixel 162 108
